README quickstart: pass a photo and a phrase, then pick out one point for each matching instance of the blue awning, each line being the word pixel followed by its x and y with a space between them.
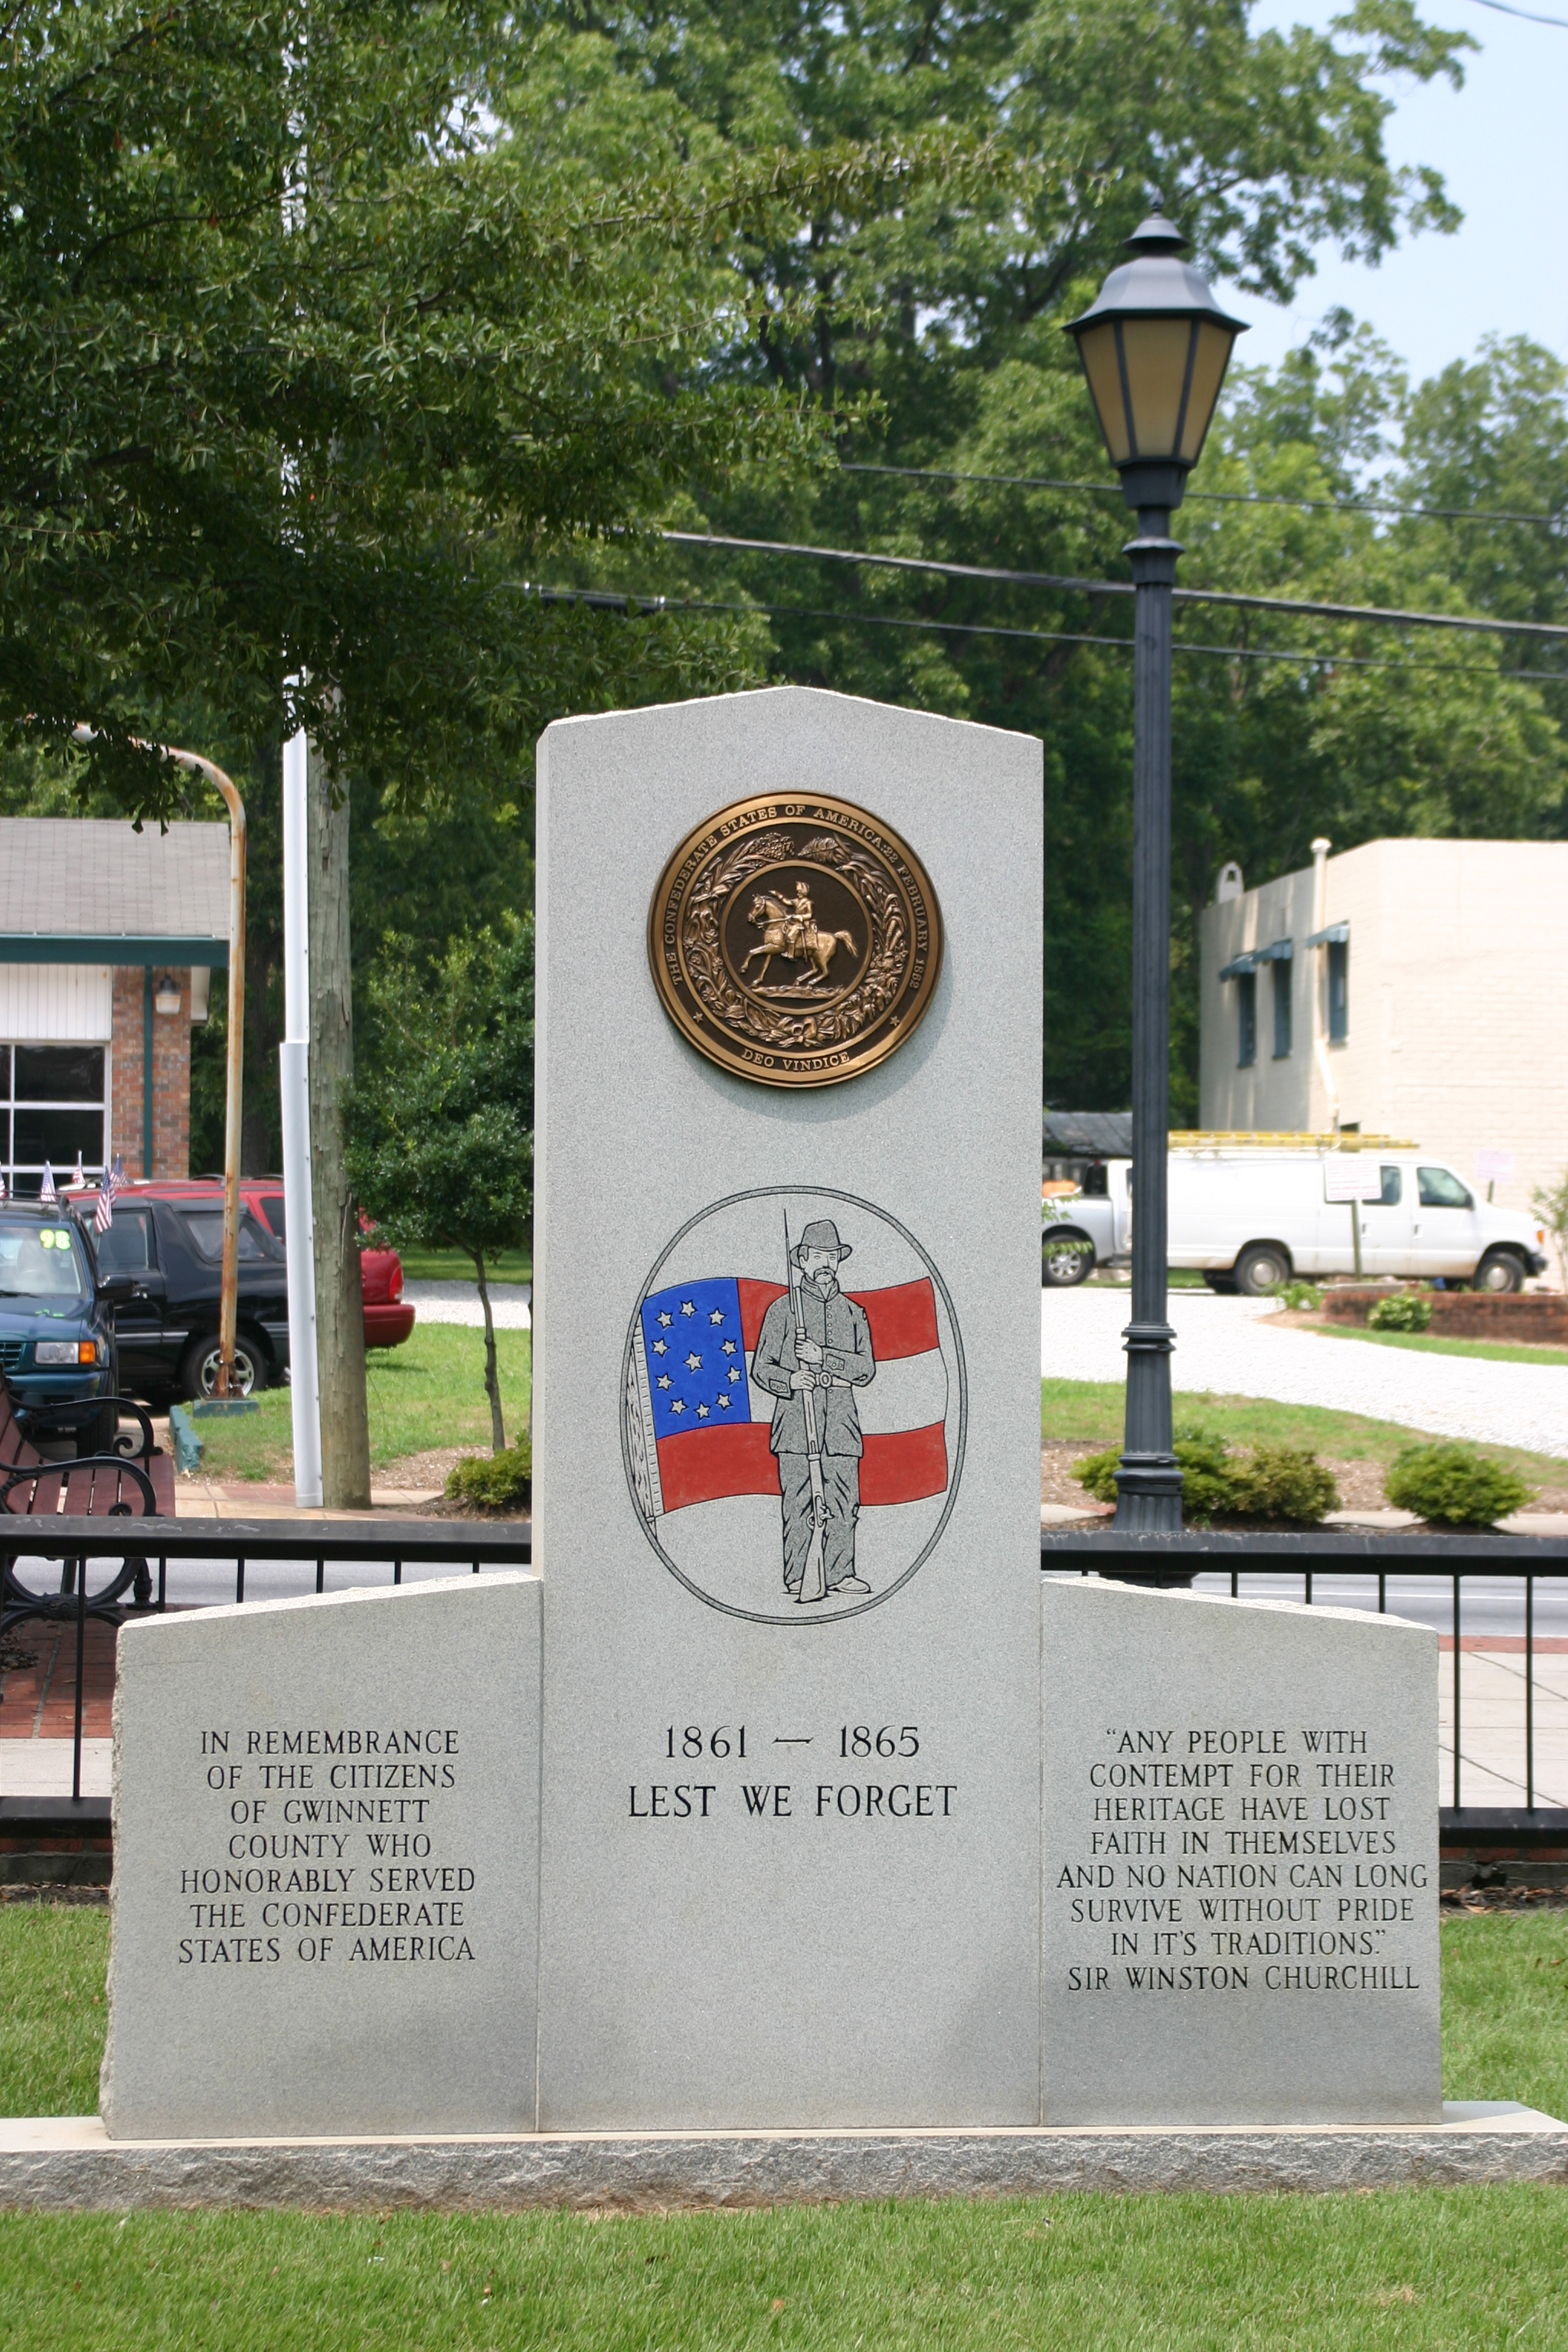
pixel 1335 936
pixel 1280 951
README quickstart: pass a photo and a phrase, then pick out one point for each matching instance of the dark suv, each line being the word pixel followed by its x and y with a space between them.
pixel 167 1329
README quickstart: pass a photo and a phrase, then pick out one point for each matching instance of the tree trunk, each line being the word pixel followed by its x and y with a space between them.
pixel 257 1156
pixel 493 1379
pixel 340 1300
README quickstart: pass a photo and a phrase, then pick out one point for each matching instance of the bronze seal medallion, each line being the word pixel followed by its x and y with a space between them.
pixel 795 940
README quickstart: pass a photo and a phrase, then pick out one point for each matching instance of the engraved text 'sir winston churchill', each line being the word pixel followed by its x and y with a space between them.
pixel 813 1352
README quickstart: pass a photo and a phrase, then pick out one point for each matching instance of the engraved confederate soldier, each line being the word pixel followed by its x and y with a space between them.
pixel 829 1360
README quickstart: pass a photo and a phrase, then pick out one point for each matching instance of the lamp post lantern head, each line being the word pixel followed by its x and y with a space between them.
pixel 1155 346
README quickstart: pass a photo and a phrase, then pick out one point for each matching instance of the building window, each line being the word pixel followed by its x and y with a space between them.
pixel 51 1109
pixel 1281 969
pixel 1246 1019
pixel 1339 991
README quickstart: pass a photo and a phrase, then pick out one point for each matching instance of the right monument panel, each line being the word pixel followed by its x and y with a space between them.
pixel 1241 1847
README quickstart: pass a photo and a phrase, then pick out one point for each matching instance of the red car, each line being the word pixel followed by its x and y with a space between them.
pixel 388 1319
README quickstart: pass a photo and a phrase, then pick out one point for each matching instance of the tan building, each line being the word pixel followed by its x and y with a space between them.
pixel 1410 988
pixel 107 942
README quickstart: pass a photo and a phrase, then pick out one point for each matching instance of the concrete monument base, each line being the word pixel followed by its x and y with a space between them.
pixel 69 2164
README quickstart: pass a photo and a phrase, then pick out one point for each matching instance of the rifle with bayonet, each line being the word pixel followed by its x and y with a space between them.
pixel 813 1581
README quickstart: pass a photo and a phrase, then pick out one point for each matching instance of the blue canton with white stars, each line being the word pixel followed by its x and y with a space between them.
pixel 696 1358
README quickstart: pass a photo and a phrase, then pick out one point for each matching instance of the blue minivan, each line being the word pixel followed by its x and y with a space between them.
pixel 57 1324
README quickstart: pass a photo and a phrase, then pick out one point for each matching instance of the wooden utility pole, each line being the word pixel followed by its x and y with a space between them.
pixel 339 1299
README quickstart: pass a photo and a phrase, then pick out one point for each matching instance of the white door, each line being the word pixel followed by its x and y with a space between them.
pixel 1388 1223
pixel 1447 1227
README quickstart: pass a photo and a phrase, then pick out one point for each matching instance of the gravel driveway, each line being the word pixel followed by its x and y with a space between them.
pixel 459 1302
pixel 1226 1347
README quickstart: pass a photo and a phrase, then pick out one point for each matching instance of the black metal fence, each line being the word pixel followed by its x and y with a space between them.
pixel 1444 1580
pixel 87 1574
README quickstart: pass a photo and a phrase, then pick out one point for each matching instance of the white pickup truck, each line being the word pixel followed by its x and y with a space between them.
pixel 1250 1217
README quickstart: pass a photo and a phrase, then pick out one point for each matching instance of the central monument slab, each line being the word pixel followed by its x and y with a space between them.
pixel 786 1417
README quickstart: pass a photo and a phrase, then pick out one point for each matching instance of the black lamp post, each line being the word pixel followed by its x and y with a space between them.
pixel 1154 348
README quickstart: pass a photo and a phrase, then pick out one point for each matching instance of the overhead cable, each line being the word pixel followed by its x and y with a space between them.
pixel 634 607
pixel 1300 606
pixel 1219 498
pixel 1560 24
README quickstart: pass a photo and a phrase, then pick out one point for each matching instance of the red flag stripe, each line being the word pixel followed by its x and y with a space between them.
pixel 902 1319
pixel 904 1466
pixel 756 1297
pixel 702 1465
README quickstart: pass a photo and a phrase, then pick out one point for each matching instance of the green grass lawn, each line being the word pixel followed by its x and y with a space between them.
pixel 1090 1413
pixel 429 1392
pixel 1412 2268
pixel 1423 2268
pixel 1499 1351
pixel 451 1265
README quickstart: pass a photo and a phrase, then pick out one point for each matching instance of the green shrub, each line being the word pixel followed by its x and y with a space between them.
pixel 1281 1482
pixel 1454 1485
pixel 1273 1482
pixel 495 1482
pixel 1406 1310
pixel 1302 1297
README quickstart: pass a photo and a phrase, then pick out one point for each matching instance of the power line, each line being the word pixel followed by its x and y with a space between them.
pixel 1219 498
pixel 1529 14
pixel 634 607
pixel 1302 608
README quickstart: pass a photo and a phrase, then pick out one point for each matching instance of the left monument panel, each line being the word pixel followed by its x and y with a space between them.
pixel 326 1822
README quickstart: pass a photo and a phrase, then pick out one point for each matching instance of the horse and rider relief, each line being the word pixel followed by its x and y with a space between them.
pixel 810 949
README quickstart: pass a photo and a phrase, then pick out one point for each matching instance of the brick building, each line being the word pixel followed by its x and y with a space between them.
pixel 1414 988
pixel 107 942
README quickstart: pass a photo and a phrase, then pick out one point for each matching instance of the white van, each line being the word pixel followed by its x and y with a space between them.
pixel 1250 1219
pixel 1250 1216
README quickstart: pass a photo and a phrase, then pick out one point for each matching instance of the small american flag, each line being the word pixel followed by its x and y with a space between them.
pixel 46 1188
pixel 77 1174
pixel 110 1183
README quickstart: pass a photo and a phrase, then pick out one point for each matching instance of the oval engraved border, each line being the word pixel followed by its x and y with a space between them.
pixel 835 1061
pixel 873 1600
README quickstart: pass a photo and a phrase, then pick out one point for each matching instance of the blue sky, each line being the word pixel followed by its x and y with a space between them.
pixel 1500 145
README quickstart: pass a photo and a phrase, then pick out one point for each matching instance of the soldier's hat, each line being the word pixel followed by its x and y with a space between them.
pixel 822 1236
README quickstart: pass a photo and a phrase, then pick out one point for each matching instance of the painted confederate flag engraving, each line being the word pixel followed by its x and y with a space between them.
pixel 794 1439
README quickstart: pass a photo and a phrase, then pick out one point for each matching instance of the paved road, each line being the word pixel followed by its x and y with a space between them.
pixel 1224 1347
pixel 459 1302
pixel 1487 1606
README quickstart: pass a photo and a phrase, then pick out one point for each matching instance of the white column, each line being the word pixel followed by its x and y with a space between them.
pixel 294 1079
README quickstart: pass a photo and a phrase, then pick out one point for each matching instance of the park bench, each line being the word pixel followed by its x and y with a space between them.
pixel 135 1480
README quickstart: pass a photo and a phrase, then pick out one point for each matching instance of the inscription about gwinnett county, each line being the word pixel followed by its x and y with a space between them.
pixel 328 1848
pixel 325 1916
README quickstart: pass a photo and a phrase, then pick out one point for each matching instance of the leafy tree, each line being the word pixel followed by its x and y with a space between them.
pixel 945 318
pixel 440 1140
pixel 301 364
